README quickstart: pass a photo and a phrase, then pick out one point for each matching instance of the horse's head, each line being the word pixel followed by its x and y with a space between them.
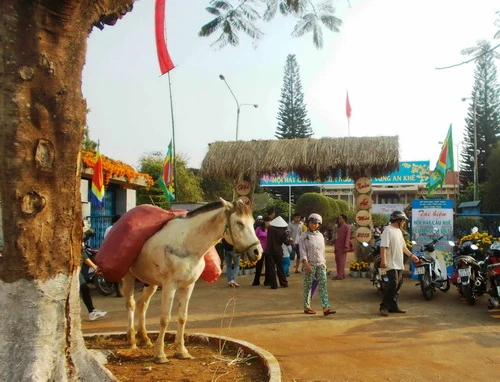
pixel 239 230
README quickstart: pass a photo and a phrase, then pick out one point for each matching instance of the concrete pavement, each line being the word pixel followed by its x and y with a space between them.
pixel 442 339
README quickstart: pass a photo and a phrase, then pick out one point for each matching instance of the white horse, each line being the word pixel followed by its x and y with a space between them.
pixel 174 259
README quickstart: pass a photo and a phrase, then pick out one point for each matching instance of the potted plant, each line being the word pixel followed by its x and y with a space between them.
pixel 354 269
pixel 246 266
pixel 363 268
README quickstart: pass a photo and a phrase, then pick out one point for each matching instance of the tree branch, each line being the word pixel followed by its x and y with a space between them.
pixel 472 59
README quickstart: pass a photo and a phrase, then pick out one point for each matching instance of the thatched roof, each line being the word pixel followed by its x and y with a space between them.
pixel 309 158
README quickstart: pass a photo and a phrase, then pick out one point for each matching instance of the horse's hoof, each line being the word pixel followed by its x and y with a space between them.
pixel 146 344
pixel 162 359
pixel 184 355
pixel 133 346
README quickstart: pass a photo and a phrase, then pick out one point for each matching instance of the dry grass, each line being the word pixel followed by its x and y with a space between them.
pixel 309 158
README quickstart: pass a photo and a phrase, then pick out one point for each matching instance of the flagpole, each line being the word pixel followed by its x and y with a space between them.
pixel 348 127
pixel 173 134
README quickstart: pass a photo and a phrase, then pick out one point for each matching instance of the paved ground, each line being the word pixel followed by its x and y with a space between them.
pixel 440 340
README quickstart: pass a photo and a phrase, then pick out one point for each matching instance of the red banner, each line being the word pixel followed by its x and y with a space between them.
pixel 166 64
pixel 348 108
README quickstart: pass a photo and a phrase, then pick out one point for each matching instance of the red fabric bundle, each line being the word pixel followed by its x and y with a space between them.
pixel 125 240
pixel 212 269
pixel 128 235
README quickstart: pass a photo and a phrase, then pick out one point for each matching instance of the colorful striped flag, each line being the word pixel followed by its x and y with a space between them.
pixel 348 108
pixel 97 195
pixel 444 164
pixel 166 64
pixel 166 180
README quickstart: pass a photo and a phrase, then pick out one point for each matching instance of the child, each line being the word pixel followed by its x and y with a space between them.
pixel 287 250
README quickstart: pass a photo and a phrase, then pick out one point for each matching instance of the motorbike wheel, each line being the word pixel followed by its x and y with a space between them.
pixel 445 285
pixel 467 293
pixel 103 286
pixel 425 285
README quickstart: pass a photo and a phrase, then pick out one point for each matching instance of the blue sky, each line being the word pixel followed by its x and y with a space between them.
pixel 385 55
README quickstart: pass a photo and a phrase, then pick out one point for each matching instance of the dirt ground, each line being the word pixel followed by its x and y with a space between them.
pixel 441 339
pixel 222 362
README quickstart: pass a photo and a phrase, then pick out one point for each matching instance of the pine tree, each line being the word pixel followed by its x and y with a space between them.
pixel 484 113
pixel 292 114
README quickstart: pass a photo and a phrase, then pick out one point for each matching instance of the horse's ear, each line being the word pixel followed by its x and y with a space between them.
pixel 227 205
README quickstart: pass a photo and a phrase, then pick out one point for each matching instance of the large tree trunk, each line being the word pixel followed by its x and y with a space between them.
pixel 43 46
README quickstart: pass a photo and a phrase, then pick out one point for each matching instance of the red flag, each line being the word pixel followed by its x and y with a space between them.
pixel 166 64
pixel 348 108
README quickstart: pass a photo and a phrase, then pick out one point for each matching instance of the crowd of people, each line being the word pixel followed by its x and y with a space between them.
pixel 303 243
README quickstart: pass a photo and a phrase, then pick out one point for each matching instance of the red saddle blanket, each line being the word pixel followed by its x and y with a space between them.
pixel 128 235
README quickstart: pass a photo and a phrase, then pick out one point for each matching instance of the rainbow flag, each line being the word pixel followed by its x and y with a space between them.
pixel 166 180
pixel 97 195
pixel 444 164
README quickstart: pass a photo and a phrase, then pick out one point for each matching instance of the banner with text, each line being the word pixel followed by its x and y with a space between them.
pixel 431 219
pixel 408 173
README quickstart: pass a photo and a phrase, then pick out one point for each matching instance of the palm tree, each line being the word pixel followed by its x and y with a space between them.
pixel 312 16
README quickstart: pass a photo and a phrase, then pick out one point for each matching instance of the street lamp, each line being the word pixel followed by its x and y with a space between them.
pixel 238 105
pixel 475 141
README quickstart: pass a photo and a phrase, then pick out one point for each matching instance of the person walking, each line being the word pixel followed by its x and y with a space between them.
pixel 261 233
pixel 341 244
pixel 114 219
pixel 94 314
pixel 232 263
pixel 294 229
pixel 392 249
pixel 312 256
pixel 276 236
pixel 287 251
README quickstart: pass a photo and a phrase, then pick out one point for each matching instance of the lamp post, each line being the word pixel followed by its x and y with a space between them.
pixel 238 105
pixel 475 141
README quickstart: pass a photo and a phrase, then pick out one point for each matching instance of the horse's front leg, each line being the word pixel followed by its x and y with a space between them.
pixel 142 307
pixel 167 298
pixel 184 296
pixel 128 293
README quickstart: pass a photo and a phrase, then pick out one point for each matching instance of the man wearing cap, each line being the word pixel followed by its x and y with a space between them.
pixel 276 236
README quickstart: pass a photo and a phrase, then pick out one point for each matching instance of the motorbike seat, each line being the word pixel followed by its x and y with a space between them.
pixel 426 259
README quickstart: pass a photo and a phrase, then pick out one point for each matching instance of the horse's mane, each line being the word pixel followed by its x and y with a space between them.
pixel 206 208
pixel 241 209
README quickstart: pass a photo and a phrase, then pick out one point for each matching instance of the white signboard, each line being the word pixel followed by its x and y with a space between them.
pixel 386 209
pixel 431 219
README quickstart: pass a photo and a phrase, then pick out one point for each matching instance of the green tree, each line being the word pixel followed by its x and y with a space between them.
pixel 229 20
pixel 187 183
pixel 492 185
pixel 292 114
pixel 483 116
pixel 152 164
pixel 279 206
pixel 334 212
pixel 313 202
pixel 213 188
pixel 87 143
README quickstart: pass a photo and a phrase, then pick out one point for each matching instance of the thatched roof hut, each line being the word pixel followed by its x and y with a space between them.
pixel 309 158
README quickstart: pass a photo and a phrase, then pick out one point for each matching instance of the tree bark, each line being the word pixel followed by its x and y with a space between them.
pixel 43 46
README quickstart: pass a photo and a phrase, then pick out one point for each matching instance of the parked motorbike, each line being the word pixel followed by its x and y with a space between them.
pixel 379 278
pixel 469 276
pixel 103 286
pixel 431 271
pixel 492 263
